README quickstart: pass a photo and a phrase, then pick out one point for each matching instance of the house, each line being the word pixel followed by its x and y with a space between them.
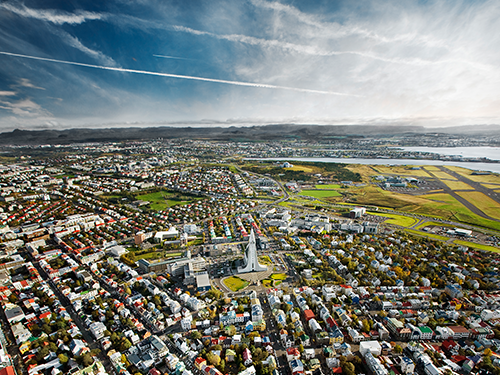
pixel 78 347
pixel 230 355
pixel 247 357
pixel 199 362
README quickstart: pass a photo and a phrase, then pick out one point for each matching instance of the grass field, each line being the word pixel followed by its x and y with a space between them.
pixel 161 200
pixel 300 168
pixel 447 207
pixel 483 202
pixel 477 246
pixel 443 175
pixel 403 221
pixel 157 255
pixel 235 283
pixel 432 224
pixel 490 178
pixel 401 170
pixel 278 276
pixel 328 187
pixel 429 235
pixel 457 185
pixel 431 168
pixel 321 193
pixel 491 186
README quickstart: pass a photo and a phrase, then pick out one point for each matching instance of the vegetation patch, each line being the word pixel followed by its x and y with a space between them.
pixel 235 283
pixel 278 276
pixel 477 246
pixel 401 220
pixel 457 185
pixel 483 202
pixel 161 200
pixel 264 259
pixel 328 187
pixel 429 235
pixel 321 193
pixel 443 175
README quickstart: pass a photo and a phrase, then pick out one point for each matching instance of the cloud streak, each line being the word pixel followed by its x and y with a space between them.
pixel 194 78
pixel 57 17
pixel 172 57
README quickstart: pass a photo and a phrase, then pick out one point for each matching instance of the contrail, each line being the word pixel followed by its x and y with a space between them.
pixel 236 83
pixel 172 57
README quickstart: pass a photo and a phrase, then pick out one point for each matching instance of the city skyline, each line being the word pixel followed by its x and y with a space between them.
pixel 87 64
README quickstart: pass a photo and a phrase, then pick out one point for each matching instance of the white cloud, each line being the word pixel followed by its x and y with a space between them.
pixel 57 17
pixel 76 43
pixel 7 93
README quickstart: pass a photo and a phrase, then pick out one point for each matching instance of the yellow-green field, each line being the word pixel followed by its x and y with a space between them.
pixel 401 170
pixel 491 186
pixel 429 235
pixel 443 176
pixel 477 246
pixel 431 168
pixel 278 276
pixel 235 283
pixel 483 202
pixel 321 193
pixel 457 185
pixel 490 178
pixel 401 220
pixel 299 168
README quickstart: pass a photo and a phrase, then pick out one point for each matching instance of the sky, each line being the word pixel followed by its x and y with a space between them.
pixel 70 63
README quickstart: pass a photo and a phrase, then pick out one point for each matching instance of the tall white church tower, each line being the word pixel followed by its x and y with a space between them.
pixel 251 262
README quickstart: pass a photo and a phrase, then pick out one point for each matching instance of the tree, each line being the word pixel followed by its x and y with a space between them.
pixel 398 349
pixel 213 359
pixel 348 369
pixel 366 325
pixel 195 335
pixel 301 348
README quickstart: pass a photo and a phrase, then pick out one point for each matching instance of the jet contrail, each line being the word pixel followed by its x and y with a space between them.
pixel 172 57
pixel 236 83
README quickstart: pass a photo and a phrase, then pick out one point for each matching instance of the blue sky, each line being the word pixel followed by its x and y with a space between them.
pixel 148 62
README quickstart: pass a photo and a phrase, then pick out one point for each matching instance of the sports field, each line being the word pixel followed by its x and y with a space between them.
pixel 321 193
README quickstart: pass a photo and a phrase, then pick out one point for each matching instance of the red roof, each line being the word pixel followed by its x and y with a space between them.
pixel 308 314
pixel 7 371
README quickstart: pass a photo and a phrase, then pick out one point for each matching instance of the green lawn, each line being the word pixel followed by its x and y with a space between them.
pixel 477 246
pixel 403 221
pixel 161 200
pixel 328 187
pixel 157 255
pixel 278 276
pixel 235 283
pixel 321 193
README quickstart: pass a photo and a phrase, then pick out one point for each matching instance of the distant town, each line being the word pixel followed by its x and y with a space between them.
pixel 199 257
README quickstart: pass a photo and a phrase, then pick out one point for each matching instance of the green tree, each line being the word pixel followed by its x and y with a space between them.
pixel 63 359
pixel 398 349
pixel 213 359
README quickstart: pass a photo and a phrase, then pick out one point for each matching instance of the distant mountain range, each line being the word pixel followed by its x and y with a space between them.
pixel 233 133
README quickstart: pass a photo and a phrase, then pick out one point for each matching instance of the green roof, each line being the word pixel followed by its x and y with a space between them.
pixel 425 329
